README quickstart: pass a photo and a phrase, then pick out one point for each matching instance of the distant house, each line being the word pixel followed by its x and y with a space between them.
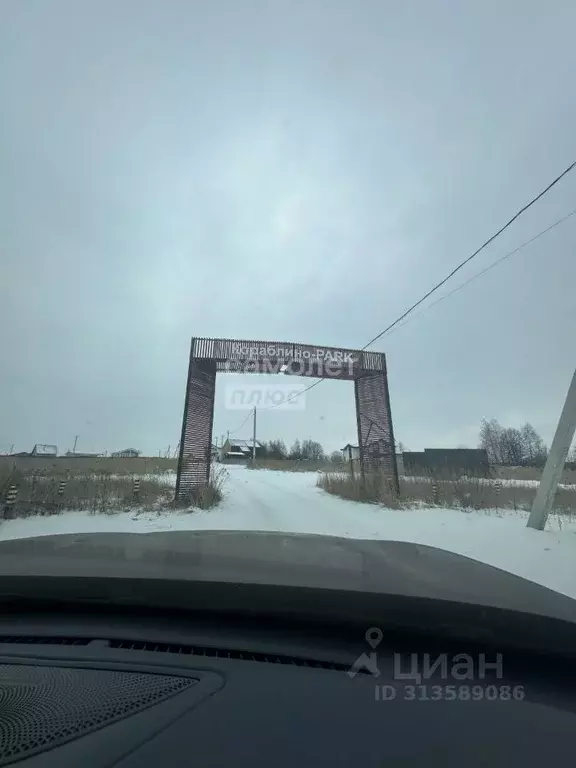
pixel 350 452
pixel 126 453
pixel 39 450
pixel 239 451
pixel 44 450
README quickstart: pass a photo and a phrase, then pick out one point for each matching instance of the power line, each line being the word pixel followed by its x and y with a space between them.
pixel 459 267
pixel 469 258
pixel 294 396
pixel 233 431
pixel 306 389
pixel 487 269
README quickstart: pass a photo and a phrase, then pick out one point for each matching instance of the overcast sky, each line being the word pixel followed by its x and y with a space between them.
pixel 296 170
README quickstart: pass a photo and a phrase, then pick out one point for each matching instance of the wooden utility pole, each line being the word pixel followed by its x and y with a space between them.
pixel 555 463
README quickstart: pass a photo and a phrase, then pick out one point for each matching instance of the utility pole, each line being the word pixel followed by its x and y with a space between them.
pixel 254 438
pixel 555 463
pixel 75 441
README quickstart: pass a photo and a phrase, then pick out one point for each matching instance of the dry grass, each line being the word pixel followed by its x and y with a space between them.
pixel 39 494
pixel 463 493
pixel 210 495
pixel 507 473
pixel 376 488
pixel 90 488
pixel 533 473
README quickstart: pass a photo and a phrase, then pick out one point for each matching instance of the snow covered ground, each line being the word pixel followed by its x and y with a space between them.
pixel 492 481
pixel 289 501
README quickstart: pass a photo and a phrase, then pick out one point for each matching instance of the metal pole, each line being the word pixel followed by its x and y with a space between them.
pixel 555 462
pixel 254 438
pixel 75 441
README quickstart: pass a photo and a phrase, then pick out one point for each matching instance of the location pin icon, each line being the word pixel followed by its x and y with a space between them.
pixel 374 637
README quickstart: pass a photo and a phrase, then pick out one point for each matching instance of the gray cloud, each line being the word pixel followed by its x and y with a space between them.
pixel 298 171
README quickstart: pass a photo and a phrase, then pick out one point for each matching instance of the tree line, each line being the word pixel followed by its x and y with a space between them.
pixel 509 446
pixel 305 450
pixel 506 446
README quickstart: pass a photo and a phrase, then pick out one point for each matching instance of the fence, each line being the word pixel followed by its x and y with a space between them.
pixel 447 462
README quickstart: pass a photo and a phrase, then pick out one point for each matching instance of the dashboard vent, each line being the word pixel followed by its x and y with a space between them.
pixel 32 640
pixel 221 653
pixel 189 650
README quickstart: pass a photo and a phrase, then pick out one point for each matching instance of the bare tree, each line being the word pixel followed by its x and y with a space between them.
pixel 312 450
pixel 534 450
pixel 276 449
pixel 511 447
pixel 490 440
pixel 295 451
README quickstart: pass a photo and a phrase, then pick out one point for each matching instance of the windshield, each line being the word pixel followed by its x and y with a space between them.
pixel 291 267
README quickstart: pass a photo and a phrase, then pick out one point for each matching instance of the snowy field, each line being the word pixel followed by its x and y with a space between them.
pixel 510 482
pixel 266 500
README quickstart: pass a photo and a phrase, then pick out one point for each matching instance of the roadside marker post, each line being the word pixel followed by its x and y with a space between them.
pixel 254 439
pixel 10 500
pixel 136 490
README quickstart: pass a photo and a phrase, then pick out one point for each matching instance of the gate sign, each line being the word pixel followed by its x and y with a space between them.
pixel 287 358
pixel 211 356
pixel 295 352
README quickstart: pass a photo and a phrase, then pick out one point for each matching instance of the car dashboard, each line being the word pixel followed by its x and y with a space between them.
pixel 100 688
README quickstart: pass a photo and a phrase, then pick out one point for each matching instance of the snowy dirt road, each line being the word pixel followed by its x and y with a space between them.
pixel 290 502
